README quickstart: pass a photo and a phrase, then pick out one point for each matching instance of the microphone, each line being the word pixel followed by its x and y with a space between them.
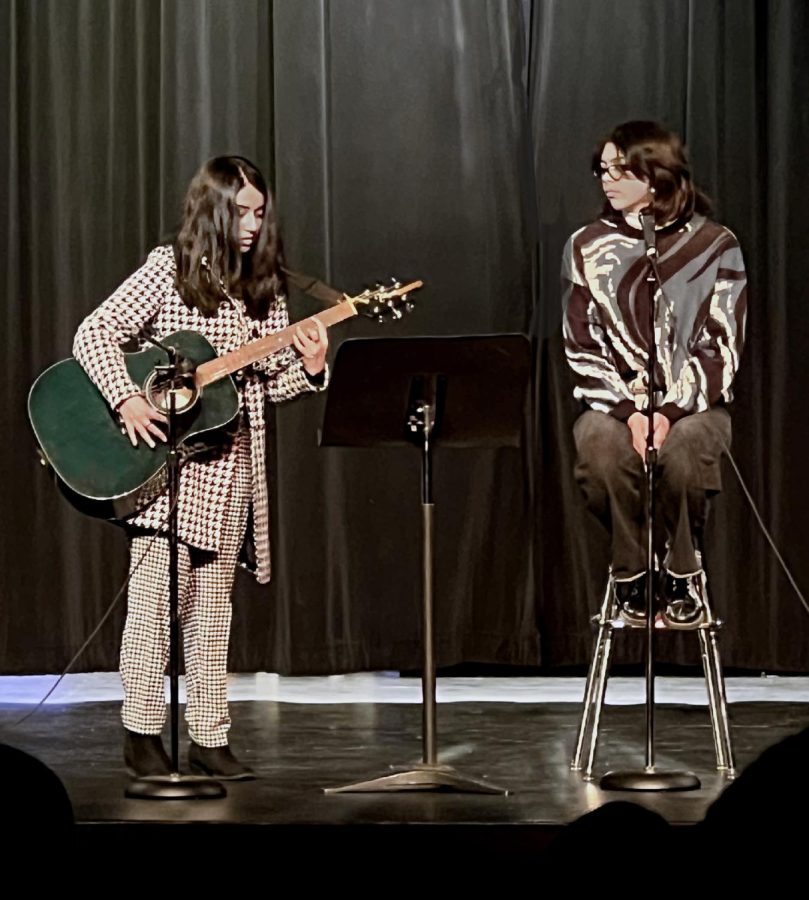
pixel 184 365
pixel 647 223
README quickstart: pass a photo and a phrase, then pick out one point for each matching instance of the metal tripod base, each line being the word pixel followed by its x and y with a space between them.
pixel 649 780
pixel 423 777
pixel 174 787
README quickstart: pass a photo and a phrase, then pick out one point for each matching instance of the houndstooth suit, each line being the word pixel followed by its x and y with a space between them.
pixel 215 496
pixel 149 297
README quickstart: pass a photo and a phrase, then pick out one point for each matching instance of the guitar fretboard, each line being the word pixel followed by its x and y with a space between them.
pixel 231 362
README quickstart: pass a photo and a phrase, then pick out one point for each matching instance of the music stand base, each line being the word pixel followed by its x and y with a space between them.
pixel 649 780
pixel 422 777
pixel 174 787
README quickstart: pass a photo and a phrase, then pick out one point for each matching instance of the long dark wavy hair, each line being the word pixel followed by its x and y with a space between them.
pixel 209 258
pixel 653 152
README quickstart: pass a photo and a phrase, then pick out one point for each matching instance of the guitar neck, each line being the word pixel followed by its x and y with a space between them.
pixel 245 356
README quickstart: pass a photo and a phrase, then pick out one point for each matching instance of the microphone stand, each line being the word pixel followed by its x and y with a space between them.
pixel 650 778
pixel 174 786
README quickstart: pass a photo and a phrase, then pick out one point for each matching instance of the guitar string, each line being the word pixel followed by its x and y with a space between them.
pixel 100 624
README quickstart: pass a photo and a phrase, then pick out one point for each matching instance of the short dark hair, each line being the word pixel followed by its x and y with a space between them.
pixel 654 153
pixel 209 258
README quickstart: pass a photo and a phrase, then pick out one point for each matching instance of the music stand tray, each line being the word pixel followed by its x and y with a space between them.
pixel 458 391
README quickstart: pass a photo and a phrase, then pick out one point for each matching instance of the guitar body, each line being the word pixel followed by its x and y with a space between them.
pixel 100 471
pixel 81 438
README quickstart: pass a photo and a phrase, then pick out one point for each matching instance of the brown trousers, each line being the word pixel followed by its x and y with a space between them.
pixel 612 476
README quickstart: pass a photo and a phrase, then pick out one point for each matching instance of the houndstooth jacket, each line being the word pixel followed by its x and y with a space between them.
pixel 149 298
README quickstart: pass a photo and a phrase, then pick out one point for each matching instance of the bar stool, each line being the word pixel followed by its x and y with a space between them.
pixel 606 623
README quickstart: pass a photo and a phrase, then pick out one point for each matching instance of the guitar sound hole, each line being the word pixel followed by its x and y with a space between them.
pixel 157 394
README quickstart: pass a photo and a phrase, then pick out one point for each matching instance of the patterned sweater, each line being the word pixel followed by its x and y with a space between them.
pixel 149 298
pixel 699 327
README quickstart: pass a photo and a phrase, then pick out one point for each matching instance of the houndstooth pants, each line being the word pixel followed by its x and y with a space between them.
pixel 205 583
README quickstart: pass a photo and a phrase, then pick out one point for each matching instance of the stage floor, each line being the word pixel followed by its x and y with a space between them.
pixel 316 733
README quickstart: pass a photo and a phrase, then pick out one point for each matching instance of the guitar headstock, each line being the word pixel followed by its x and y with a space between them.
pixel 386 301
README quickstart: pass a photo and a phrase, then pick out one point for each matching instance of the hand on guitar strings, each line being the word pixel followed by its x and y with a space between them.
pixel 139 419
pixel 312 342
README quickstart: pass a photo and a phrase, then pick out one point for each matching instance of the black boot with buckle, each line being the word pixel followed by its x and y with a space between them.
pixel 145 755
pixel 682 595
pixel 217 762
pixel 631 597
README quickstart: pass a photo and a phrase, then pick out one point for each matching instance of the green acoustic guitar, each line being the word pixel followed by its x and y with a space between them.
pixel 82 440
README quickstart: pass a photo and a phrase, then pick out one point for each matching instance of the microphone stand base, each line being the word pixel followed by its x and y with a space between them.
pixel 650 779
pixel 174 787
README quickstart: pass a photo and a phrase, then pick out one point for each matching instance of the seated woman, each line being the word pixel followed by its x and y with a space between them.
pixel 699 329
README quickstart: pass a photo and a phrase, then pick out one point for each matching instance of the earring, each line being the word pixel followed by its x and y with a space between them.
pixel 651 190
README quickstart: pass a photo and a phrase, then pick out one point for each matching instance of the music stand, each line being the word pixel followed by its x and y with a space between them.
pixel 465 391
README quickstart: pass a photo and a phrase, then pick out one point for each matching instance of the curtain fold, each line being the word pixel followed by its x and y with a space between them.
pixel 729 77
pixel 447 140
pixel 401 136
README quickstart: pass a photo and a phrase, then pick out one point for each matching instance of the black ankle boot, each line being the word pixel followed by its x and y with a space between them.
pixel 145 755
pixel 218 762
pixel 631 597
pixel 684 608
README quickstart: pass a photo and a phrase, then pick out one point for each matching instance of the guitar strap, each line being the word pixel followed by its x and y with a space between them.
pixel 315 288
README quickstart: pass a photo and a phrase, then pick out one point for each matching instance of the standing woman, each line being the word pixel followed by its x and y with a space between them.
pixel 642 167
pixel 222 278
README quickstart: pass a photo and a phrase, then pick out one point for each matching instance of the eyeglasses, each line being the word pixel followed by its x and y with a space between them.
pixel 616 171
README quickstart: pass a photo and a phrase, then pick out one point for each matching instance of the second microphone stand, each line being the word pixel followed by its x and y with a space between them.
pixel 650 777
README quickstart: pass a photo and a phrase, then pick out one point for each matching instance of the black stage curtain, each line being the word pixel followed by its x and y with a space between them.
pixel 732 78
pixel 442 139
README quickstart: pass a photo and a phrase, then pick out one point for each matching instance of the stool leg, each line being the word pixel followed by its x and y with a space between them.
pixel 587 704
pixel 717 699
pixel 588 707
pixel 710 684
pixel 721 702
pixel 715 684
pixel 592 677
pixel 600 691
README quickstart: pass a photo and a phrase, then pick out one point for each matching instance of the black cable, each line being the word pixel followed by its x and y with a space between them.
pixel 688 355
pixel 763 528
pixel 100 624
